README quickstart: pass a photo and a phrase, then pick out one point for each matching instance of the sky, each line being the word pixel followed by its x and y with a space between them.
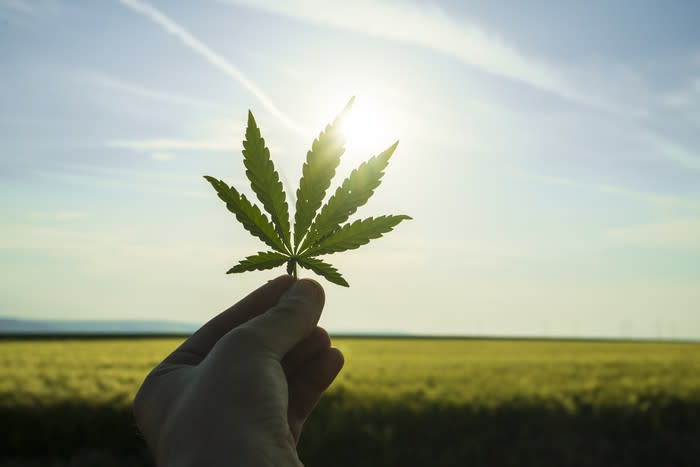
pixel 549 156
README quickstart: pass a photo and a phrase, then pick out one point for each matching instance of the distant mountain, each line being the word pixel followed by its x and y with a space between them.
pixel 21 326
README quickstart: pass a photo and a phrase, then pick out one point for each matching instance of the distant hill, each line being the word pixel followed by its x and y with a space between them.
pixel 21 326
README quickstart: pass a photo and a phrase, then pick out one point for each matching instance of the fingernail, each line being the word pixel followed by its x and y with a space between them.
pixel 306 289
pixel 283 276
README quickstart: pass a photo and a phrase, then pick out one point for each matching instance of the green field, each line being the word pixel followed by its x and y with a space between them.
pixel 397 402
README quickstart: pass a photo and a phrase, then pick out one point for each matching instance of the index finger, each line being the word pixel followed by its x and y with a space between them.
pixel 198 345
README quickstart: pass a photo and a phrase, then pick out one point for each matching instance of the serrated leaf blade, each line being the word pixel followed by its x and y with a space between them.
pixel 264 179
pixel 354 235
pixel 354 192
pixel 323 269
pixel 259 261
pixel 317 173
pixel 247 214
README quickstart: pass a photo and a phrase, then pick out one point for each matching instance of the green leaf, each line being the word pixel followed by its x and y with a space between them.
pixel 317 173
pixel 323 269
pixel 317 230
pixel 247 214
pixel 354 192
pixel 264 179
pixel 351 236
pixel 260 261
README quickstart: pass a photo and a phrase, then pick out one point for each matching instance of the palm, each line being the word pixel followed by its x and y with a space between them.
pixel 226 376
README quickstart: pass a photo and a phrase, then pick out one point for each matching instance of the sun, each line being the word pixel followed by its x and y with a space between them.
pixel 374 122
pixel 365 129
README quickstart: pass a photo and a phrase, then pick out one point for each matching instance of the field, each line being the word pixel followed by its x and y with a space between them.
pixel 398 402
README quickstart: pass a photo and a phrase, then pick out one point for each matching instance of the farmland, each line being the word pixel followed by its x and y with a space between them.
pixel 397 402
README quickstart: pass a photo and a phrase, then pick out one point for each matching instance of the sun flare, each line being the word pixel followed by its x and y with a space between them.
pixel 374 122
pixel 363 127
pixel 366 130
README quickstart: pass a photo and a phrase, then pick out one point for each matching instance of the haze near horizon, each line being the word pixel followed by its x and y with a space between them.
pixel 549 156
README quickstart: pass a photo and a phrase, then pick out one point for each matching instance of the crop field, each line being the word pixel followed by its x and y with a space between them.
pixel 398 402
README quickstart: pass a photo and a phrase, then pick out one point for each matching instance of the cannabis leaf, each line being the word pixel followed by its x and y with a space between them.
pixel 316 232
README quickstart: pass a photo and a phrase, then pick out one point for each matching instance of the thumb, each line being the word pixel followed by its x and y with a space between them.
pixel 293 319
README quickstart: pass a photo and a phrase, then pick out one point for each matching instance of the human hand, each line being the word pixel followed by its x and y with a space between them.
pixel 237 392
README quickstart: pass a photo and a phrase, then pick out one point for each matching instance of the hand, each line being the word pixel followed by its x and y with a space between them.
pixel 237 392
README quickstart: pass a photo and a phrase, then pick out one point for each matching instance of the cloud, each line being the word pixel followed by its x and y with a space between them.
pixel 162 156
pixel 111 83
pixel 123 180
pixel 28 8
pixel 22 13
pixel 17 6
pixel 213 58
pixel 425 26
pixel 689 203
pixel 675 234
pixel 165 144
pixel 676 153
pixel 55 216
pixel 688 96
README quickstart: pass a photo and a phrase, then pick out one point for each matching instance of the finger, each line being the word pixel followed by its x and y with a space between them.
pixel 308 384
pixel 284 325
pixel 198 345
pixel 305 350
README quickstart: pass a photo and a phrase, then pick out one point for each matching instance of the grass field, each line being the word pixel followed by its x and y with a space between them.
pixel 398 402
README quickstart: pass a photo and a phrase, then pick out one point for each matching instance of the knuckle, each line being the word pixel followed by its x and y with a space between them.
pixel 291 304
pixel 245 338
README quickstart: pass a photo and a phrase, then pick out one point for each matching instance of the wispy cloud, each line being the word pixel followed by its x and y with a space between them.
pixel 684 97
pixel 99 245
pixel 213 58
pixel 428 26
pixel 111 83
pixel 689 203
pixel 17 6
pixel 675 234
pixel 124 180
pixel 684 202
pixel 22 13
pixel 676 153
pixel 162 156
pixel 165 144
pixel 55 216
pixel 28 8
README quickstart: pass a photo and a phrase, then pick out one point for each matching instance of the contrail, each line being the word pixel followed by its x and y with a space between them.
pixel 209 55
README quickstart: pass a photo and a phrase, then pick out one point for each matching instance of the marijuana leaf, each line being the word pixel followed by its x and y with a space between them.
pixel 351 236
pixel 247 214
pixel 316 232
pixel 323 269
pixel 317 173
pixel 264 179
pixel 353 193
pixel 260 261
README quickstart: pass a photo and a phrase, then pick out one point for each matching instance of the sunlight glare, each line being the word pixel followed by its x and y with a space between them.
pixel 365 130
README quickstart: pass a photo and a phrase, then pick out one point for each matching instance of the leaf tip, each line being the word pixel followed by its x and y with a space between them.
pixel 348 106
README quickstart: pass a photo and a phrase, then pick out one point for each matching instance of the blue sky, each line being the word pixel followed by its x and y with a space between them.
pixel 549 155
